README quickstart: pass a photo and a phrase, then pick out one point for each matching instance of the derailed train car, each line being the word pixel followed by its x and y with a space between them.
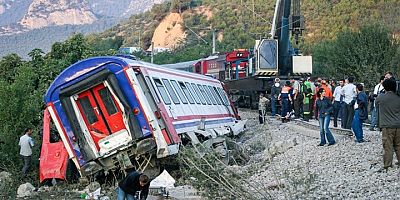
pixel 111 113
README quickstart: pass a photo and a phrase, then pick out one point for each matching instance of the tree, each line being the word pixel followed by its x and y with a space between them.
pixel 365 54
pixel 8 67
pixel 21 106
pixel 105 44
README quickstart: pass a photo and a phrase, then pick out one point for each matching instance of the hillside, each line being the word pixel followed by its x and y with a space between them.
pixel 12 10
pixel 36 18
pixel 25 15
pixel 238 25
pixel 43 13
pixel 44 38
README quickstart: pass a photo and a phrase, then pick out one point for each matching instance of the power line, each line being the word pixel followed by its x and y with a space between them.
pixel 196 34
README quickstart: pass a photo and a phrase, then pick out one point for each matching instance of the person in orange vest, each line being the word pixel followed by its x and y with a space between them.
pixel 286 100
pixel 328 91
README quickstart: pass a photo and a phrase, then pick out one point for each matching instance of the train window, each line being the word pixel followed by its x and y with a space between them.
pixel 223 96
pixel 88 110
pixel 215 93
pixel 205 95
pixel 219 95
pixel 108 101
pixel 186 91
pixel 162 91
pixel 179 91
pixel 191 90
pixel 203 101
pixel 54 135
pixel 171 91
pixel 152 90
pixel 210 94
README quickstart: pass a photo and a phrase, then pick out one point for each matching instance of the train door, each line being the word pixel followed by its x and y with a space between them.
pixel 100 112
pixel 53 154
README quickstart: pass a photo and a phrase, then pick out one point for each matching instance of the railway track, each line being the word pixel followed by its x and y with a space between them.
pixel 313 126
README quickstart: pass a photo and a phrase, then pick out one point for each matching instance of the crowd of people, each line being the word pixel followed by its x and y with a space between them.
pixel 344 99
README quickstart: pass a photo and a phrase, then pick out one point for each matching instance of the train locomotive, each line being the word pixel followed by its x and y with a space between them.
pixel 112 113
pixel 249 72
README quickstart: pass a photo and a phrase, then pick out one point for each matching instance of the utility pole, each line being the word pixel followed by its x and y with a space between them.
pixel 139 38
pixel 254 13
pixel 213 42
pixel 152 52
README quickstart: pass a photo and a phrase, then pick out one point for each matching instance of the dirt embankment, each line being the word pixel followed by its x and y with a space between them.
pixel 170 33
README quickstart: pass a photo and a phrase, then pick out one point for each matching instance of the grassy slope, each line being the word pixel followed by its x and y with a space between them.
pixel 324 19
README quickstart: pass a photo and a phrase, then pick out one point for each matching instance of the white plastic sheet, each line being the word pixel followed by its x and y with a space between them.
pixel 164 180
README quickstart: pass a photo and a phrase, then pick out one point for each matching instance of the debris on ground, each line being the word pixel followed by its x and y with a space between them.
pixel 283 161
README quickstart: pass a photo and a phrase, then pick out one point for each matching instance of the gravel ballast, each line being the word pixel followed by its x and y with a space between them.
pixel 303 170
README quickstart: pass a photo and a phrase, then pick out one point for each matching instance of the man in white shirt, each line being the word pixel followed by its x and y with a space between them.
pixel 349 95
pixel 26 143
pixel 296 97
pixel 378 89
pixel 337 103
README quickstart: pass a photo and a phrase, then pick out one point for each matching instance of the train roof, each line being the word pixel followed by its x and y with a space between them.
pixel 181 65
pixel 81 70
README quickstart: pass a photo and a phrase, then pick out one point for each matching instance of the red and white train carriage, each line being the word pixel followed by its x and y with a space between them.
pixel 112 112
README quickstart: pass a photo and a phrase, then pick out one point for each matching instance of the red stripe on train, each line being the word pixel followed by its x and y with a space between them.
pixel 189 117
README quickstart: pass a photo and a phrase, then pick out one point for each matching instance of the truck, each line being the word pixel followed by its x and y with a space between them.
pixel 273 57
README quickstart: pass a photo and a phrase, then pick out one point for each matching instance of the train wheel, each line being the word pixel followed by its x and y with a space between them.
pixel 237 153
pixel 222 152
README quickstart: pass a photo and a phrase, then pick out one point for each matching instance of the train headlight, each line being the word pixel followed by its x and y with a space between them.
pixel 136 111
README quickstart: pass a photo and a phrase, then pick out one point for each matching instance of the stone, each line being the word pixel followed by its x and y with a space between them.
pixel 5 176
pixel 93 186
pixel 25 190
pixel 5 180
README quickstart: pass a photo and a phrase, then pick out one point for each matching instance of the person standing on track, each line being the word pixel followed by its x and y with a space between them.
pixel 388 106
pixel 262 108
pixel 360 114
pixel 307 100
pixel 275 91
pixel 378 89
pixel 349 95
pixel 324 109
pixel 337 103
pixel 297 97
pixel 286 100
pixel 328 91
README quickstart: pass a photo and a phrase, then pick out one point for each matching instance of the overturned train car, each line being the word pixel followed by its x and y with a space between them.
pixel 111 113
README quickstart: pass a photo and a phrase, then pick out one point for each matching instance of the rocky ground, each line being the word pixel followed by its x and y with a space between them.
pixel 299 169
pixel 286 163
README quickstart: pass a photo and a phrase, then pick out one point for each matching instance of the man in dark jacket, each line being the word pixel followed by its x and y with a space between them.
pixel 275 91
pixel 360 114
pixel 133 183
pixel 388 106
